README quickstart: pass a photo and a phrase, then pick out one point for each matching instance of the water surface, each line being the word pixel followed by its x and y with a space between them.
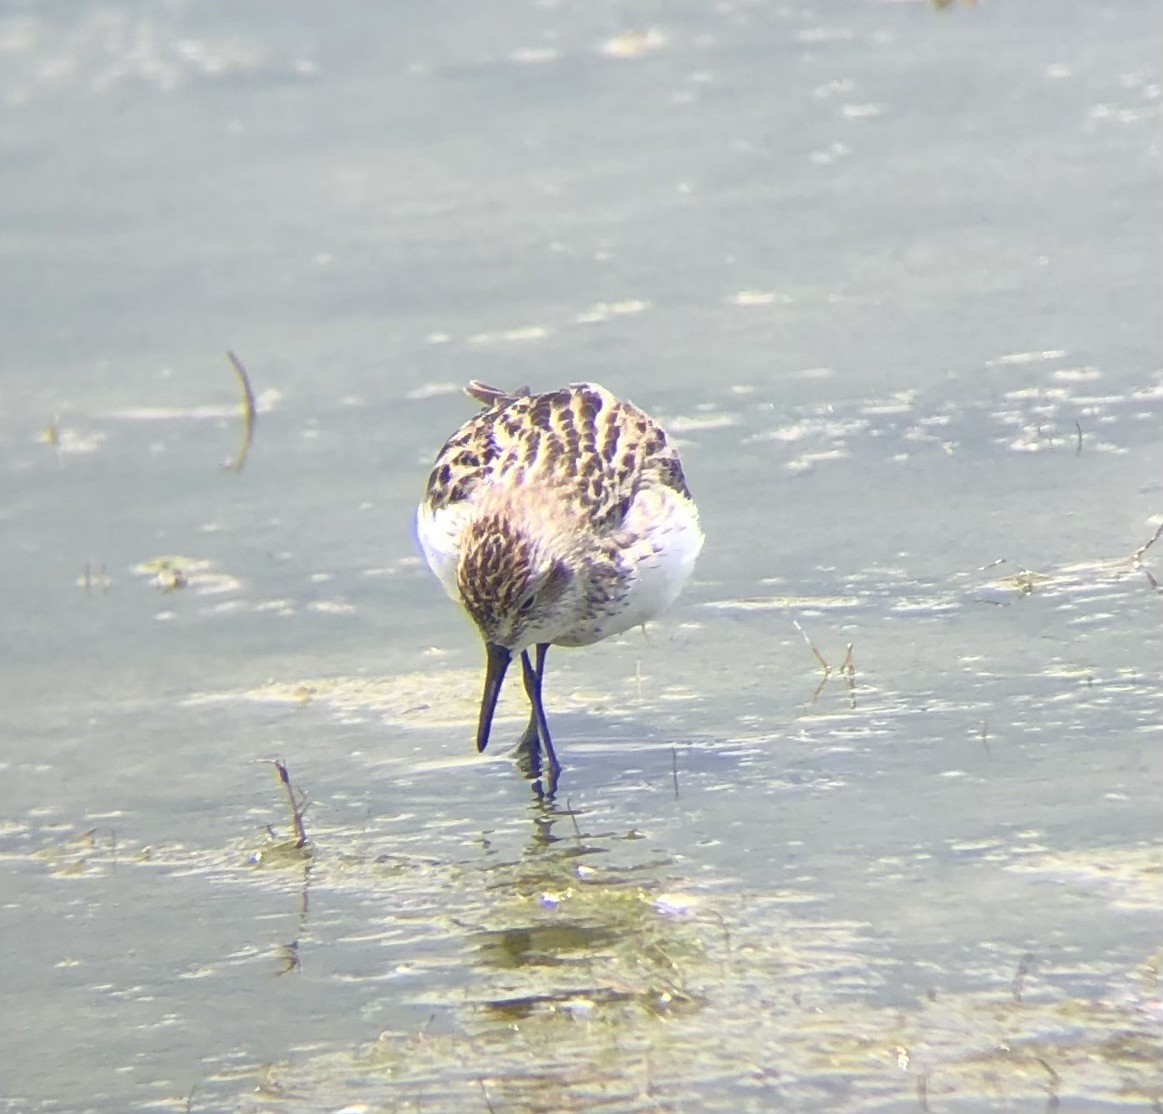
pixel 888 272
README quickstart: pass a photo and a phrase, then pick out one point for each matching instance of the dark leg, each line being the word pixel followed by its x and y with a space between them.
pixel 528 749
pixel 536 735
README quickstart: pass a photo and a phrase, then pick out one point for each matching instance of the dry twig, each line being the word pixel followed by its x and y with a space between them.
pixel 1136 558
pixel 295 800
pixel 248 413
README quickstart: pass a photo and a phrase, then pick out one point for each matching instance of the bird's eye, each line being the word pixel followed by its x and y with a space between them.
pixel 526 605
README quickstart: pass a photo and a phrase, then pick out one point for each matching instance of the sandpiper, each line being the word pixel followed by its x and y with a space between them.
pixel 555 519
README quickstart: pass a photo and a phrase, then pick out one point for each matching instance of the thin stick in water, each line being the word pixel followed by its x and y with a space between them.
pixel 573 819
pixel 293 800
pixel 1137 556
pixel 1023 970
pixel 248 413
pixel 812 646
pixel 848 671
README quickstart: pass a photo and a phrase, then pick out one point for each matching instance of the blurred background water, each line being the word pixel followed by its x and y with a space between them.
pixel 888 271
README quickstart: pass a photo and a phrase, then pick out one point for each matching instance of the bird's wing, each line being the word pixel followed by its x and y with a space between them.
pixel 591 448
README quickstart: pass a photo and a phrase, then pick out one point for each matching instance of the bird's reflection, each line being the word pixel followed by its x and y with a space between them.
pixel 573 923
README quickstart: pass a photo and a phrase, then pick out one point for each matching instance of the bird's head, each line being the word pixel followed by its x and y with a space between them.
pixel 519 589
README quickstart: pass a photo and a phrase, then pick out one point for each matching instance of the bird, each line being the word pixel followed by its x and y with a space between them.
pixel 555 519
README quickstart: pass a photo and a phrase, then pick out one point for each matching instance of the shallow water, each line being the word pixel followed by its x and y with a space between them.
pixel 887 273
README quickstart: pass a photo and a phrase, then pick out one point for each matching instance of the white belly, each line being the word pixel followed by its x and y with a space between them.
pixel 439 538
pixel 662 541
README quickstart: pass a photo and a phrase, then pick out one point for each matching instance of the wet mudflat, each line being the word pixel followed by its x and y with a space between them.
pixel 887 273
